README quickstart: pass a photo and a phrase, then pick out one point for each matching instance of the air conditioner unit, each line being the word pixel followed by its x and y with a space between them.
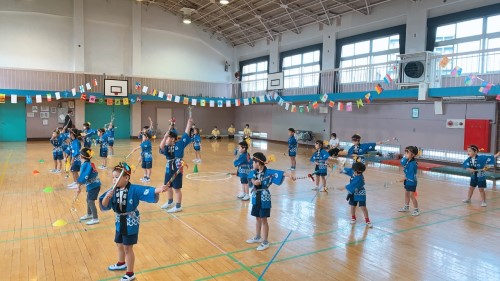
pixel 417 68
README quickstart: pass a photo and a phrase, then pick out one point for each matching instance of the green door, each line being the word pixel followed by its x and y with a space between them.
pixel 100 114
pixel 13 121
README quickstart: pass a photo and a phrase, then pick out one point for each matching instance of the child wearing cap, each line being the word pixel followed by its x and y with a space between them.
pixel 173 150
pixel 124 200
pixel 89 177
pixel 356 191
pixel 260 179
pixel 292 148
pixel 243 163
pixel 410 181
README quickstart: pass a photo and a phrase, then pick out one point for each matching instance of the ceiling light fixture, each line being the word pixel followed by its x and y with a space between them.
pixel 224 2
pixel 186 15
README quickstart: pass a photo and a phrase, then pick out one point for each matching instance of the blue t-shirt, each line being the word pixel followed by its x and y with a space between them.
pixel 410 169
pixel 175 153
pixel 89 176
pixel 292 146
pixel 196 142
pixel 319 157
pixel 356 185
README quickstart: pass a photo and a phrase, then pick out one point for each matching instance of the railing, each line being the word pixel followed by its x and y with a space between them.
pixel 483 65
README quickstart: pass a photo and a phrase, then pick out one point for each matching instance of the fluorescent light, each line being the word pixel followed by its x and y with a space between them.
pixel 224 2
pixel 465 98
pixel 186 20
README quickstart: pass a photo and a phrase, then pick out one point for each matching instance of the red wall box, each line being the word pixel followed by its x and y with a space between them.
pixel 477 132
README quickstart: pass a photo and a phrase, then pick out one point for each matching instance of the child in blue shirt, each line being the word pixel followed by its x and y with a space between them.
pixel 146 156
pixel 87 133
pixel 103 151
pixel 292 148
pixel 75 155
pixel 197 145
pixel 319 158
pixel 89 177
pixel 57 152
pixel 260 179
pixel 124 200
pixel 243 164
pixel 410 181
pixel 358 149
pixel 111 137
pixel 477 165
pixel 356 191
pixel 173 150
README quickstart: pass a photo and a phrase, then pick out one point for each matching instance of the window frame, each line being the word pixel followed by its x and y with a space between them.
pixel 253 61
pixel 302 51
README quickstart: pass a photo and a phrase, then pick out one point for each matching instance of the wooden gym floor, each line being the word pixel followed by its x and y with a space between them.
pixel 448 241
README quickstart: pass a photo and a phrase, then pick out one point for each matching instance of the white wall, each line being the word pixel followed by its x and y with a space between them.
pixel 36 35
pixel 41 35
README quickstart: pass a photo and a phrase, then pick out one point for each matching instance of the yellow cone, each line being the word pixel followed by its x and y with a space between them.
pixel 60 222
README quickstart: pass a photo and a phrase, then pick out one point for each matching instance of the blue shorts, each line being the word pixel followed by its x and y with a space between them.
pixel 196 149
pixel 352 202
pixel 103 152
pixel 126 239
pixel 111 143
pixel 57 155
pixel 479 183
pixel 292 154
pixel 244 180
pixel 316 172
pixel 147 164
pixel 75 167
pixel 410 188
pixel 93 193
pixel 259 212
pixel 176 183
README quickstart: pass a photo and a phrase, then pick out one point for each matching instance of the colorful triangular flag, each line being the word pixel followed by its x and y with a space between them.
pixel 82 89
pixel 92 99
pixel 145 89
pixel 340 106
pixel 444 62
pixel 95 82
pixel 359 103
pixel 379 89
pixel 485 87
pixel 315 105
pixel 138 86
pixel 294 108
pixel 254 100
pixel 331 104
pixel 83 97
pixel 219 103
pixel 125 101
pixel 118 102
pixel 457 71
pixel 169 97
pixel 237 102
pixel 185 101
pixel 49 97
pixel 202 102
pixel 109 101
pixel 2 98
pixel 29 100
pixel 387 79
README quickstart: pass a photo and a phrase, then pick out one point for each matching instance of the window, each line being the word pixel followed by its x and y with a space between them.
pixel 473 36
pixel 301 68
pixel 254 75
pixel 371 59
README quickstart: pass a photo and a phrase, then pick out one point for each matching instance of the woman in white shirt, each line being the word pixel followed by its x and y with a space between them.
pixel 333 145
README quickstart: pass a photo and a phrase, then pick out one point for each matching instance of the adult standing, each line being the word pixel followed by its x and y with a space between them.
pixel 68 123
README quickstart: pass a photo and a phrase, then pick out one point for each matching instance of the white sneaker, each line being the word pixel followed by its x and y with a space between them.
pixel 315 188
pixel 114 267
pixel 167 205
pixel 57 171
pixel 52 171
pixel 143 179
pixel 369 224
pixel 292 169
pixel 353 221
pixel 404 209
pixel 466 201
pixel 245 198
pixel 483 204
pixel 73 186
pixel 174 210
pixel 127 278
pixel 415 212
pixel 73 183
pixel 241 195
pixel 147 180
pixel 102 167
pixel 86 217
pixel 93 221
pixel 263 246
pixel 254 240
